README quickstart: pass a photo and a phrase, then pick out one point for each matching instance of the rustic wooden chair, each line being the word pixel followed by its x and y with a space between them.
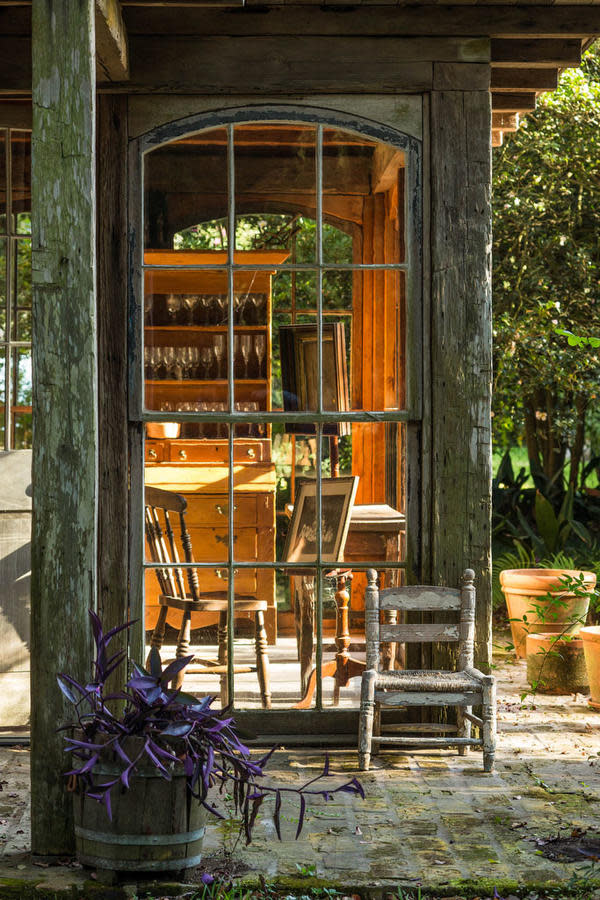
pixel 464 688
pixel 179 589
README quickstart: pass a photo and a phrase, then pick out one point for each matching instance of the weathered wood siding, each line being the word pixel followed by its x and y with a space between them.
pixel 461 342
pixel 112 364
pixel 64 393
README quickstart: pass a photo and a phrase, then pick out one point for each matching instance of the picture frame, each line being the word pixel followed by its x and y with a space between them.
pixel 299 374
pixel 337 500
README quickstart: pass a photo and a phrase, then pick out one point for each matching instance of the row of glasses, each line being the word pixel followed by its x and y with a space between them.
pixel 215 430
pixel 208 361
pixel 204 309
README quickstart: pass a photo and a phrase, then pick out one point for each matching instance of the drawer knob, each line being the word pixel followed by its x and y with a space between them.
pixel 152 454
pixel 251 452
pixel 222 510
pixel 182 454
pixel 223 574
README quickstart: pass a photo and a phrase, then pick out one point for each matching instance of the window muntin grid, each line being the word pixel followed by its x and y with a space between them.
pixel 409 264
pixel 15 290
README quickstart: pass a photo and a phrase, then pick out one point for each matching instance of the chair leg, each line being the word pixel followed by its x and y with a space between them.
pixel 158 635
pixel 464 727
pixel 489 725
pixel 365 722
pixel 222 657
pixel 262 659
pixel 183 646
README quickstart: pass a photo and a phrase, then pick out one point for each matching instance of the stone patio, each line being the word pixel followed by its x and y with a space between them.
pixel 431 819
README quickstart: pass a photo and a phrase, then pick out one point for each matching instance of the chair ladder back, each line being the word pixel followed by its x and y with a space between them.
pixel 192 573
pixel 159 552
pixel 372 619
pixel 174 557
pixel 467 620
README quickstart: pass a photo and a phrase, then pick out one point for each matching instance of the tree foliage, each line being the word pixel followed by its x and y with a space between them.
pixel 547 274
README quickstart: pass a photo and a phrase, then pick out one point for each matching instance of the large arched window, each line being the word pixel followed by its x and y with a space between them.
pixel 275 379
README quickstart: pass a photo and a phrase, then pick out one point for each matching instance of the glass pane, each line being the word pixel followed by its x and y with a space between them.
pixel 24 325
pixel 3 143
pixel 185 193
pixel 22 376
pixel 23 272
pixel 21 179
pixel 363 186
pixel 370 347
pixel 197 469
pixel 3 286
pixel 185 354
pixel 22 431
pixel 275 186
pixel 3 353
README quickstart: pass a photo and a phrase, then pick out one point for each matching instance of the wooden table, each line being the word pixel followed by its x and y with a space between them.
pixel 375 534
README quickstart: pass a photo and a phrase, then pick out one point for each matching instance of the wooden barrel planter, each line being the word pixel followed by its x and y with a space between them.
pixel 156 826
pixel 591 646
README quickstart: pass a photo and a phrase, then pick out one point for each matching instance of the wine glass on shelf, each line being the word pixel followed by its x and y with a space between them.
pixel 203 309
pixel 173 308
pixel 206 358
pixel 170 362
pixel 221 306
pixel 260 348
pixel 219 352
pixel 245 349
pixel 190 302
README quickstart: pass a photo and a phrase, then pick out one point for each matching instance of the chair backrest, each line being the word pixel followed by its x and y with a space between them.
pixel 421 598
pixel 161 507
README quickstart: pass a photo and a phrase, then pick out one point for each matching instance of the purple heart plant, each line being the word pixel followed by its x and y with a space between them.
pixel 172 729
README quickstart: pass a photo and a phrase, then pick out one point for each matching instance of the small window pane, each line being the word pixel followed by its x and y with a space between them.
pixel 3 285
pixel 185 200
pixel 22 376
pixel 22 430
pixel 23 272
pixel 21 176
pixel 3 221
pixel 275 167
pixel 24 325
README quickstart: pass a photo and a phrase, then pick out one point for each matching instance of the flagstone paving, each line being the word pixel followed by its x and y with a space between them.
pixel 430 818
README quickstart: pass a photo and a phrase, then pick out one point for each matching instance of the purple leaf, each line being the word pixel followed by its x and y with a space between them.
pixel 301 816
pixel 178 729
pixel 173 668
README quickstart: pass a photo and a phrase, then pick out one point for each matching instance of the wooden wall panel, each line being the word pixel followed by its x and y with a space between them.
pixel 461 346
pixel 65 473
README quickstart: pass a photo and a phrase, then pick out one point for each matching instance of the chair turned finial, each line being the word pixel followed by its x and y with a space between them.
pixel 468 577
pixel 372 577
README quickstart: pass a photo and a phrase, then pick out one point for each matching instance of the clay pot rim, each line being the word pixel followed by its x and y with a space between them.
pixel 590 633
pixel 536 579
pixel 562 638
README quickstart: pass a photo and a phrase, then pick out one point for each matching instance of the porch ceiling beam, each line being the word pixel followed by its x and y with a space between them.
pixel 513 103
pixel 503 121
pixel 503 21
pixel 112 56
pixel 524 80
pixel 539 53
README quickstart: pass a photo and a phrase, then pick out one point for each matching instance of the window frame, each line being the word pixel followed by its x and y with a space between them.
pixel 411 415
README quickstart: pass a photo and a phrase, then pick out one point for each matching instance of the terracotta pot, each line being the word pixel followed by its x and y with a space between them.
pixel 161 430
pixel 525 589
pixel 556 665
pixel 590 636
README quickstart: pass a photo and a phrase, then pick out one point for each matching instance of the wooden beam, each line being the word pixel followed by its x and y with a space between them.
pixel 505 20
pixel 505 121
pixel 219 65
pixel 112 58
pixel 513 103
pixel 519 80
pixel 63 546
pixel 386 163
pixel 112 367
pixel 540 53
pixel 460 371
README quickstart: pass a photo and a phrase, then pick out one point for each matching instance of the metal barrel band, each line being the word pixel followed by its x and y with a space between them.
pixel 129 865
pixel 141 840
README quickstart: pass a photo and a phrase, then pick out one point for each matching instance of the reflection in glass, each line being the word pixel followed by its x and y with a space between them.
pixel 21 180
pixel 23 272
pixel 185 183
pixel 3 221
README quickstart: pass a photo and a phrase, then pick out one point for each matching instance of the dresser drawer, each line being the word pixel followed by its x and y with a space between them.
pixel 155 451
pixel 217 452
pixel 207 509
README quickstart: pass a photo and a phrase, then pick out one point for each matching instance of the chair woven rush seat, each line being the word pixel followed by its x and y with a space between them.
pixel 464 688
pixel 180 589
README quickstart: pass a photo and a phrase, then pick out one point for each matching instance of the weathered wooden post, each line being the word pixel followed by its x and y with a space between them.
pixel 461 336
pixel 65 467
